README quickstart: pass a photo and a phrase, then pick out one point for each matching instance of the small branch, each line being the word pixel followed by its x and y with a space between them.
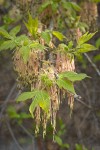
pixel 85 117
pixel 13 136
pixel 83 103
pixel 30 135
pixel 10 101
pixel 93 65
pixel 26 131
pixel 6 100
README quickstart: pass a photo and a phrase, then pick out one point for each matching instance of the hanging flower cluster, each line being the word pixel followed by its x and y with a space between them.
pixel 40 72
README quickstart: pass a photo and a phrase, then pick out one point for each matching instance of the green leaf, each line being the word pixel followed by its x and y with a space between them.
pixel 86 48
pixel 42 99
pixel 25 51
pixel 11 111
pixel 37 46
pixel 13 45
pixel 23 115
pixel 45 5
pixel 66 84
pixel 46 36
pixel 96 58
pixel 73 76
pixel 46 80
pixel 32 107
pixel 55 6
pixel 58 35
pixel 70 44
pixel 21 40
pixel 86 37
pixel 32 25
pixel 4 33
pixel 78 147
pixel 24 96
pixel 1 41
pixel 7 45
pixel 98 43
pixel 15 30
pixel 71 6
pixel 75 6
pixel 66 145
pixel 83 27
pixel 63 47
pixel 58 140
pixel 66 5
pixel 96 1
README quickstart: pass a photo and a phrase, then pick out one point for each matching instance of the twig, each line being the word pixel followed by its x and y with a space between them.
pixel 10 101
pixel 33 139
pixel 96 123
pixel 79 134
pixel 13 136
pixel 86 105
pixel 6 100
pixel 93 65
pixel 26 131
pixel 87 95
pixel 30 135
pixel 86 115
